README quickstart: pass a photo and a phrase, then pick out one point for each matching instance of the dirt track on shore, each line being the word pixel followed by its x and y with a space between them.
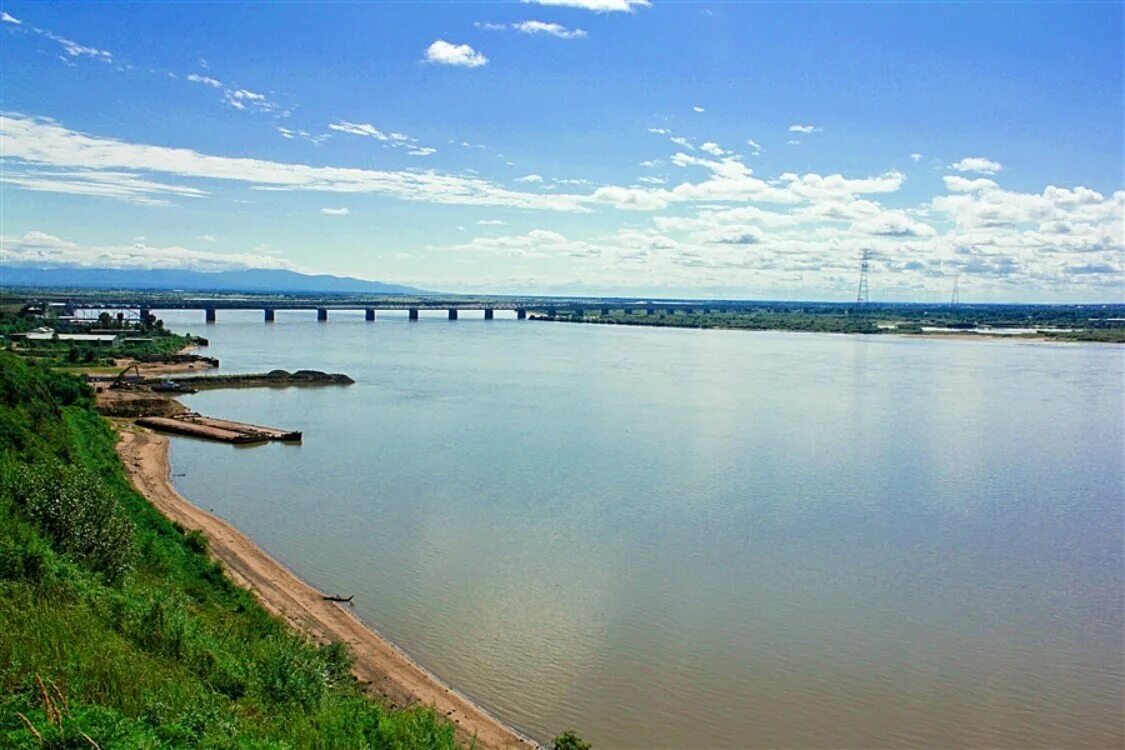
pixel 388 671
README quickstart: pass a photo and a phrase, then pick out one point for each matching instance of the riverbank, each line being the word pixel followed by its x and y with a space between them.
pixel 378 663
pixel 867 323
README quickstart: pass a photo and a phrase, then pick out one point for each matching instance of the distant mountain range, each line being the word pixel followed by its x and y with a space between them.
pixel 251 280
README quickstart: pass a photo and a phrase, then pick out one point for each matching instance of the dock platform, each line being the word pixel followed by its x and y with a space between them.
pixel 222 430
pixel 271 433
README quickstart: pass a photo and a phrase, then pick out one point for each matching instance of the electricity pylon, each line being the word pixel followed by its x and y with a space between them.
pixel 864 264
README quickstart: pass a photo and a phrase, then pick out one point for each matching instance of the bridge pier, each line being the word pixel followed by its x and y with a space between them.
pixel 369 314
pixel 322 314
pixel 521 314
pixel 145 312
pixel 488 313
pixel 268 314
pixel 413 314
pixel 209 315
pixel 453 313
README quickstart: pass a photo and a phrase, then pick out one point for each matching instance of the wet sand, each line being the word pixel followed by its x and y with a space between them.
pixel 387 670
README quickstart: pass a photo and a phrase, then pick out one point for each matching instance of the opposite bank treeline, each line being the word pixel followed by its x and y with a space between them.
pixel 116 626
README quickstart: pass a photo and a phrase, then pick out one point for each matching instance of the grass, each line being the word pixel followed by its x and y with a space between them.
pixel 116 626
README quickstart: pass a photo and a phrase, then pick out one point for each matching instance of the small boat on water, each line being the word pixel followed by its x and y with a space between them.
pixel 341 599
pixel 171 386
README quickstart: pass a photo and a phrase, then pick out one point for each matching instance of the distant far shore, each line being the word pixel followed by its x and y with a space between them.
pixel 859 322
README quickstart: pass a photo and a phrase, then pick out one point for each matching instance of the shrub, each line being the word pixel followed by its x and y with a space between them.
pixel 74 510
pixel 570 741
pixel 293 673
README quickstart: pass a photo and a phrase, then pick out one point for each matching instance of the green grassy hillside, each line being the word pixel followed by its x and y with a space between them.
pixel 117 629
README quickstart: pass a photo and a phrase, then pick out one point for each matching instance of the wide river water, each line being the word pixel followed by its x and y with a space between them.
pixel 701 539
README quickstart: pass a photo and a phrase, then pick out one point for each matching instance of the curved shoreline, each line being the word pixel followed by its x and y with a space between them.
pixel 384 668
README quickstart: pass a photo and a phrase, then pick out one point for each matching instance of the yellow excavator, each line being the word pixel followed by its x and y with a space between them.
pixel 123 383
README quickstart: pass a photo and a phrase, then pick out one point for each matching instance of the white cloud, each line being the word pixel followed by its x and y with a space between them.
pixel 956 184
pixel 793 142
pixel 713 148
pixel 362 129
pixel 42 249
pixel 551 29
pixel 731 180
pixel 444 53
pixel 239 98
pixel 1062 239
pixel 74 49
pixel 757 149
pixel 660 131
pixel 538 243
pixel 534 27
pixel 6 18
pixel 986 207
pixel 396 140
pixel 916 157
pixel 599 6
pixel 894 224
pixel 33 142
pixel 123 186
pixel 679 140
pixel 637 199
pixel 303 135
pixel 490 223
pixel 727 228
pixel 206 80
pixel 805 129
pixel 203 237
pixel 530 178
pixel 242 98
pixel 335 211
pixel 977 164
pixel 698 109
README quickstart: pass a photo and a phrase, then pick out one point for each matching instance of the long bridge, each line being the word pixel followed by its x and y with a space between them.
pixel 144 305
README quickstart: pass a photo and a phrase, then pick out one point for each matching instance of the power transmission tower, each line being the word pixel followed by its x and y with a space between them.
pixel 864 265
pixel 956 298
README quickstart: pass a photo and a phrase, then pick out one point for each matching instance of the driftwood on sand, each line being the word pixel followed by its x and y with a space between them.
pixel 341 599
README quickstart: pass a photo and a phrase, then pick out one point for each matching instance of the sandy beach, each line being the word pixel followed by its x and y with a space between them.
pixel 387 670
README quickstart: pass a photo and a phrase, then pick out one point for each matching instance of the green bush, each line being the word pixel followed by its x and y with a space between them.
pixel 73 509
pixel 570 741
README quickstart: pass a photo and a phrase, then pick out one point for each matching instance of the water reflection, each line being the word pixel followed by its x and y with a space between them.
pixel 703 539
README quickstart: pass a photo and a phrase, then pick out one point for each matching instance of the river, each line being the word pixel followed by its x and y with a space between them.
pixel 701 539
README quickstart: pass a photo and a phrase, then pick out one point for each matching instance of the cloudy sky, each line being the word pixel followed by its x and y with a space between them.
pixel 741 150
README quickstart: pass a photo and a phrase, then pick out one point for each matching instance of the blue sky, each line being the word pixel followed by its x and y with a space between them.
pixel 575 146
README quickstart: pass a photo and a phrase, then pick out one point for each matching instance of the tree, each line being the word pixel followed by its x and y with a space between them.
pixel 568 740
